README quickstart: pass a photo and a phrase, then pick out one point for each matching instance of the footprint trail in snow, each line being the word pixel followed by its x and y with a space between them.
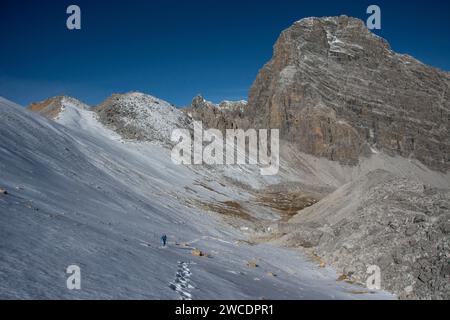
pixel 182 283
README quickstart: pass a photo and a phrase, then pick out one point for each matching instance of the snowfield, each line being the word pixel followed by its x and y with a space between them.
pixel 78 194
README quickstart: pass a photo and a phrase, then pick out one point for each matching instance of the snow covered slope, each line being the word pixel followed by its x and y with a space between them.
pixel 79 194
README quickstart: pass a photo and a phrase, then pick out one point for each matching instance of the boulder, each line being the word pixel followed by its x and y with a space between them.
pixel 252 264
pixel 198 253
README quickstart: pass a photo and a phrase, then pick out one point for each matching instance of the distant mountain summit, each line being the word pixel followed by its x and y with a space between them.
pixel 225 115
pixel 141 117
pixel 338 91
pixel 53 107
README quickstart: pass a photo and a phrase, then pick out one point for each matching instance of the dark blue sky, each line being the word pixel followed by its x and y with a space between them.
pixel 177 49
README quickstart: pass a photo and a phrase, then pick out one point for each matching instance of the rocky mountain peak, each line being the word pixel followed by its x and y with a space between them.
pixel 338 91
pixel 225 115
pixel 345 35
pixel 198 102
pixel 141 117
pixel 137 99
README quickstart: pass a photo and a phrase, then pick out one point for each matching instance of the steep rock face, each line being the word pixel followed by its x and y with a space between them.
pixel 226 115
pixel 51 108
pixel 337 90
pixel 141 117
pixel 327 136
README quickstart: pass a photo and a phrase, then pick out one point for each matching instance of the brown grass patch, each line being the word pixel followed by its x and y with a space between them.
pixel 228 208
pixel 356 292
pixel 49 108
pixel 288 204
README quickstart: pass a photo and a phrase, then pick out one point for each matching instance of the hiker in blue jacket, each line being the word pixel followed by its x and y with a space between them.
pixel 164 240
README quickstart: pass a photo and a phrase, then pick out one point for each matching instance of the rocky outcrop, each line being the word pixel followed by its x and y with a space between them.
pixel 321 133
pixel 337 90
pixel 226 115
pixel 141 117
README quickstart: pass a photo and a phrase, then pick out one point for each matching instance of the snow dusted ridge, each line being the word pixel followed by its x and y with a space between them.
pixel 224 106
pixel 141 117
pixel 232 105
pixel 78 193
pixel 53 107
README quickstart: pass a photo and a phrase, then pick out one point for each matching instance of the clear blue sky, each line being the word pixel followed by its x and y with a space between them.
pixel 177 49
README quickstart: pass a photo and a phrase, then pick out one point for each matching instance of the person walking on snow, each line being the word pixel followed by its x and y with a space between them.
pixel 164 240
